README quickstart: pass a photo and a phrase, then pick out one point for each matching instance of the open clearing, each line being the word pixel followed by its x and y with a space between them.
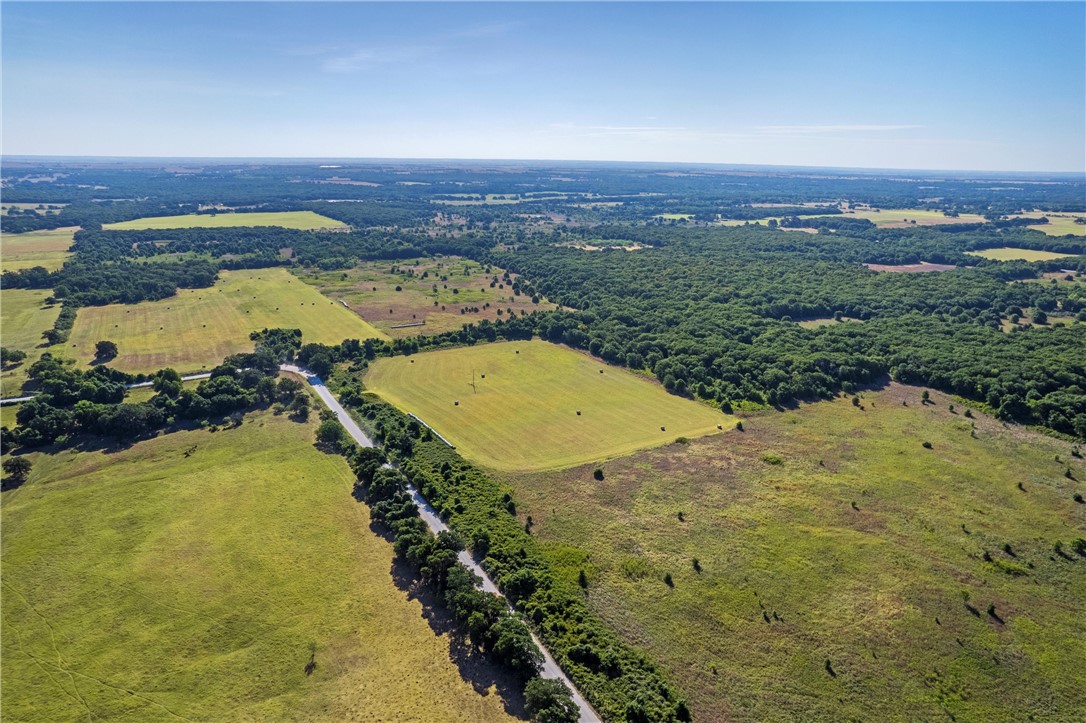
pixel 523 414
pixel 23 318
pixel 920 268
pixel 1059 224
pixel 793 575
pixel 369 289
pixel 144 584
pixel 826 321
pixel 903 217
pixel 35 248
pixel 302 220
pixel 1007 253
pixel 152 335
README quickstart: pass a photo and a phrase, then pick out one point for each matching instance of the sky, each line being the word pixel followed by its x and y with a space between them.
pixel 966 86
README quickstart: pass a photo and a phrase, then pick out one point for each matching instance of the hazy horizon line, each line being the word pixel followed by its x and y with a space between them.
pixel 12 157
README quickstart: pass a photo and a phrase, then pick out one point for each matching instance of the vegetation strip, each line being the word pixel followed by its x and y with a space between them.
pixel 548 668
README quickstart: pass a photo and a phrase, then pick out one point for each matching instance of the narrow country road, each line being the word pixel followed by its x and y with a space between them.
pixel 189 378
pixel 550 669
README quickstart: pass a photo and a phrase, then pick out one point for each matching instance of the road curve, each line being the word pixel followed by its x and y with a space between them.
pixel 550 668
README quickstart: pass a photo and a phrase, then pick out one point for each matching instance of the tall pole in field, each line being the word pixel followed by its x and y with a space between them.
pixel 473 389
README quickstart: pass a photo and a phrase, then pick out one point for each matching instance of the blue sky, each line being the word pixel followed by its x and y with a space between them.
pixel 986 86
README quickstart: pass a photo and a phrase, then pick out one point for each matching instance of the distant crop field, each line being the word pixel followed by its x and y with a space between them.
pixel 903 217
pixel 192 576
pixel 523 413
pixel 35 248
pixel 825 565
pixel 303 220
pixel 1059 224
pixel 1007 253
pixel 198 327
pixel 23 317
pixel 40 209
pixel 418 307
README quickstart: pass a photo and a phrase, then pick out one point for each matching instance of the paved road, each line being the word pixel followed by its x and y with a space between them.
pixel 550 667
pixel 189 378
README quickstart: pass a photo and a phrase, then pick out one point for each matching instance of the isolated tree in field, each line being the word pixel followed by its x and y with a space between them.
pixel 550 701
pixel 17 469
pixel 11 356
pixel 330 433
pixel 105 350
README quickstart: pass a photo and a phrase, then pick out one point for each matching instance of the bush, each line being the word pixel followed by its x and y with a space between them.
pixel 598 473
pixel 331 434
pixel 927 445
pixel 550 701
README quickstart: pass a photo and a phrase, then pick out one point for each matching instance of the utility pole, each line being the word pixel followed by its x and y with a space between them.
pixel 473 389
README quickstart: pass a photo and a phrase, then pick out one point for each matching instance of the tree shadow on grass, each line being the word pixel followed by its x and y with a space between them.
pixel 474 665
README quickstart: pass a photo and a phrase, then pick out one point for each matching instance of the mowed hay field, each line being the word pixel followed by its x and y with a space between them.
pixel 1007 253
pixel 35 248
pixel 1059 224
pixel 829 533
pixel 523 414
pixel 23 317
pixel 903 217
pixel 418 308
pixel 172 333
pixel 141 584
pixel 303 220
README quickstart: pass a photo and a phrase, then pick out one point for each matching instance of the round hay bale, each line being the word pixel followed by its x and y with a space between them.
pixel 663 429
pixel 456 403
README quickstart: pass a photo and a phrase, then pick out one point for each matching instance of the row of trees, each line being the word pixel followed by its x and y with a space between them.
pixel 485 619
pixel 619 681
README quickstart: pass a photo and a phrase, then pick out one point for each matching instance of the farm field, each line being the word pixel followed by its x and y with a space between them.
pixel 523 413
pixel 1059 224
pixel 35 248
pixel 1012 254
pixel 369 289
pixel 171 332
pixel 41 209
pixel 23 318
pixel 846 571
pixel 146 584
pixel 904 217
pixel 304 220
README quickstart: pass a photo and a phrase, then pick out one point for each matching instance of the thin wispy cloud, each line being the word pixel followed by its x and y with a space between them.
pixel 368 58
pixel 837 128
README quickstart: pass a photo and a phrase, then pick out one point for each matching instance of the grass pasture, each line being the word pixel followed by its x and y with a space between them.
pixel 145 584
pixel 35 248
pixel 1007 253
pixel 905 217
pixel 829 533
pixel 301 220
pixel 172 332
pixel 523 414
pixel 1059 224
pixel 369 289
pixel 23 318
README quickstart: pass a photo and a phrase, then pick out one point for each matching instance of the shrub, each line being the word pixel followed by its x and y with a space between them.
pixel 927 445
pixel 550 701
pixel 598 473
pixel 668 581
